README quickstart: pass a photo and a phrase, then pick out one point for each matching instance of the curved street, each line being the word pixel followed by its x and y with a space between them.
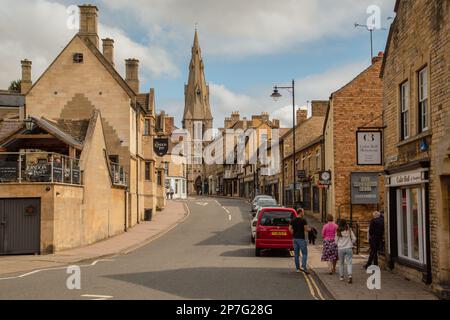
pixel 208 256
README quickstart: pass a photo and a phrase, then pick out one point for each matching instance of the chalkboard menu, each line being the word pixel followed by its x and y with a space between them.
pixel 9 171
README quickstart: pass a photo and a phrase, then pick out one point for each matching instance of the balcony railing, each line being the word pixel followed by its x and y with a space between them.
pixel 118 174
pixel 26 167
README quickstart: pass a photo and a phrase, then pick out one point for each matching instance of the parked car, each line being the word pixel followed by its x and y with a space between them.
pixel 264 203
pixel 257 198
pixel 272 229
pixel 253 225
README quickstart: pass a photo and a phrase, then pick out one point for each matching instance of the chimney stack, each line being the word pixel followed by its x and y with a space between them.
pixel 26 76
pixel 89 23
pixel 132 74
pixel 379 57
pixel 302 115
pixel 108 50
pixel 319 108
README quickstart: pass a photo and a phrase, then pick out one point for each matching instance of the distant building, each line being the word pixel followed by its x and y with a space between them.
pixel 308 160
pixel 416 108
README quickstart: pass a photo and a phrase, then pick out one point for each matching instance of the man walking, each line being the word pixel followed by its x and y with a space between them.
pixel 299 226
pixel 376 232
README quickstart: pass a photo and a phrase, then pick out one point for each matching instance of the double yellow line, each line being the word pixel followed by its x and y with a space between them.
pixel 313 287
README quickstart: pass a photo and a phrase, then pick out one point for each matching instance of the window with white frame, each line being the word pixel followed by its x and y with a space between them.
pixel 410 224
pixel 424 111
pixel 404 110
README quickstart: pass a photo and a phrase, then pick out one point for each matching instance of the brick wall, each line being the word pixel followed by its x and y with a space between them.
pixel 355 105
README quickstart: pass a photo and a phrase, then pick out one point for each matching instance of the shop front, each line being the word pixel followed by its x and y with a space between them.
pixel 408 219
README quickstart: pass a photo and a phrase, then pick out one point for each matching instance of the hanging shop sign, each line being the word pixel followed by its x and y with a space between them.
pixel 369 148
pixel 161 146
pixel 301 174
pixel 325 178
pixel 364 188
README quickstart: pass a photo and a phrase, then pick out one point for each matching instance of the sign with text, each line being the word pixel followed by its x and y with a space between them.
pixel 161 146
pixel 364 188
pixel 369 148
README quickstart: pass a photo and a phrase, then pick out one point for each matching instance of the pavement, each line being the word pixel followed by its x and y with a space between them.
pixel 123 243
pixel 209 255
pixel 393 286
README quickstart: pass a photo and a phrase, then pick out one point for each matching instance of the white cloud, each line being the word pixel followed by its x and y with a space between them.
pixel 42 32
pixel 312 87
pixel 242 28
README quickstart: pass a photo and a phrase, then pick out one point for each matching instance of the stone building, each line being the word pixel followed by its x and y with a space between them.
pixel 416 107
pixel 197 120
pixel 81 85
pixel 355 106
pixel 308 160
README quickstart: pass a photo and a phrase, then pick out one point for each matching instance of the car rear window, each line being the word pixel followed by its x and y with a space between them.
pixel 267 202
pixel 276 218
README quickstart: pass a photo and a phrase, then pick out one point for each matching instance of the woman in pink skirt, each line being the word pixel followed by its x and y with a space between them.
pixel 330 250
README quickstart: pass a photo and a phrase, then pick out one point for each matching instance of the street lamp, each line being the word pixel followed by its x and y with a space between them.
pixel 276 96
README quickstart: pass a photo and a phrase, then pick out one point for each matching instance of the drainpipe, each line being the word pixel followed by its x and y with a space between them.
pixel 137 165
pixel 126 208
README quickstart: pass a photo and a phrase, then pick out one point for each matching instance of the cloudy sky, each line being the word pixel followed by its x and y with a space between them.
pixel 248 46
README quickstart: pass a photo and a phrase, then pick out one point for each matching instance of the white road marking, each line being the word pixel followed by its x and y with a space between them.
pixel 202 203
pixel 50 269
pixel 226 210
pixel 97 297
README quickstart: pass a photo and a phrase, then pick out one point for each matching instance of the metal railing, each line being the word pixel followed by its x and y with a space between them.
pixel 26 167
pixel 118 174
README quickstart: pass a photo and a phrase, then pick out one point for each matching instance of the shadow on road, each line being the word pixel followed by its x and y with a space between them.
pixel 223 283
pixel 236 235
pixel 250 252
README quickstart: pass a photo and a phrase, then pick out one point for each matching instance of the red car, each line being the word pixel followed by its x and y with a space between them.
pixel 272 229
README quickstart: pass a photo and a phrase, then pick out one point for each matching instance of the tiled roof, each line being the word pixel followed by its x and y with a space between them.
pixel 7 127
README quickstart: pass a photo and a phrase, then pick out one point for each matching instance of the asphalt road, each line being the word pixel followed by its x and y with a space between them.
pixel 208 256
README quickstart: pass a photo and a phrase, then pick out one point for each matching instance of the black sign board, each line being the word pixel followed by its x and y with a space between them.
pixel 301 174
pixel 161 146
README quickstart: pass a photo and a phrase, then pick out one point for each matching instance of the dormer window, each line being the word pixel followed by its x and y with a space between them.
pixel 77 58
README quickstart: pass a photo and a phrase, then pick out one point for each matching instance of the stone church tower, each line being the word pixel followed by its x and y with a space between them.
pixel 197 118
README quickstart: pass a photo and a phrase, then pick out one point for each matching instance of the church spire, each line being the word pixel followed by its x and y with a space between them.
pixel 196 91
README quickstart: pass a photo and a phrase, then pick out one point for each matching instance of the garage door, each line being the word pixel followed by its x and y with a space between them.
pixel 19 226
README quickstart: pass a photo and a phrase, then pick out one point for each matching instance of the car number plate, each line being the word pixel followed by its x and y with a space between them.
pixel 279 233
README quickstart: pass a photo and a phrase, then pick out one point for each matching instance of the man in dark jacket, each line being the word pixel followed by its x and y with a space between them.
pixel 376 232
